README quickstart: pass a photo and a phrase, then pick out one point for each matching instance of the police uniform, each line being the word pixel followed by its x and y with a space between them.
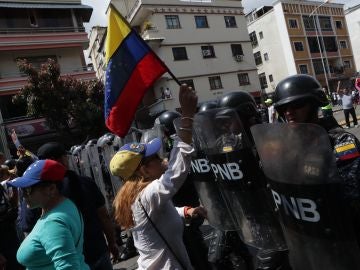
pixel 347 153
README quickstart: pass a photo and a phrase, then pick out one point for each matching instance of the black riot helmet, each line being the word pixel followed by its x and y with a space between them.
pixel 242 102
pixel 167 120
pixel 208 106
pixel 298 87
pixel 245 106
pixel 11 163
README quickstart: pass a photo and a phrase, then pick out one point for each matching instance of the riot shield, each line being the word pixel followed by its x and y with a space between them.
pixel 298 160
pixel 107 146
pixel 229 181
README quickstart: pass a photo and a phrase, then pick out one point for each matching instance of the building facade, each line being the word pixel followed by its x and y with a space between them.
pixel 287 37
pixel 204 43
pixel 353 24
pixel 96 51
pixel 37 30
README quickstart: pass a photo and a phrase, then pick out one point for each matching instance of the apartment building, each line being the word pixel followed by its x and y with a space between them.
pixel 96 51
pixel 204 43
pixel 37 30
pixel 352 16
pixel 287 37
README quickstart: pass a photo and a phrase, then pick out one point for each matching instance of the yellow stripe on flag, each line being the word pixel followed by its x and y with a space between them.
pixel 117 30
pixel 345 147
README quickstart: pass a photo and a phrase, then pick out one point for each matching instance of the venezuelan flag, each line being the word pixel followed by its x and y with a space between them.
pixel 132 68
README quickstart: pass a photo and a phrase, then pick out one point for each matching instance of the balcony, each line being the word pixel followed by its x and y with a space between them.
pixel 152 35
pixel 40 38
pixel 12 82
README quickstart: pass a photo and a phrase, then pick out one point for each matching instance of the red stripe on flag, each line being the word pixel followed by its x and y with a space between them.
pixel 147 71
pixel 350 156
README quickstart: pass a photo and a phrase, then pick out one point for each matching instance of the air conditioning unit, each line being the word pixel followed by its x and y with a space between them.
pixel 206 53
pixel 239 58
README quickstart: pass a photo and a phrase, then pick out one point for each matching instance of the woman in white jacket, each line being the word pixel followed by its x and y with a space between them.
pixel 144 204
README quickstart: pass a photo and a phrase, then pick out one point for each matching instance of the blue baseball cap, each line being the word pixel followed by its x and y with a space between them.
pixel 40 171
pixel 125 162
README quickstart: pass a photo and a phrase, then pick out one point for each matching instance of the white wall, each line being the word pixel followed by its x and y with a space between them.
pixel 353 24
pixel 272 45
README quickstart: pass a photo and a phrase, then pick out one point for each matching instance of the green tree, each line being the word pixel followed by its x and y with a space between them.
pixel 73 108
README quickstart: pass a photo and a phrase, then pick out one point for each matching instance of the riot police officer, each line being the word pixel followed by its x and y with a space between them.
pixel 297 99
pixel 274 256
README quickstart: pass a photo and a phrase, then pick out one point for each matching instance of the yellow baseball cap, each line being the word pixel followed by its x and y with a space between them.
pixel 125 162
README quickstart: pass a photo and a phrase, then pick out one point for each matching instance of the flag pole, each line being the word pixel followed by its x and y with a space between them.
pixel 157 57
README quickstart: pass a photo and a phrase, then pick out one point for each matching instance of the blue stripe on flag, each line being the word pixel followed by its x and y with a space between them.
pixel 121 66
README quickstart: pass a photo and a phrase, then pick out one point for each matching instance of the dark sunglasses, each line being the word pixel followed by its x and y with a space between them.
pixel 297 104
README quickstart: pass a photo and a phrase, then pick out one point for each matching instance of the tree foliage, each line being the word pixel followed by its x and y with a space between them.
pixel 63 101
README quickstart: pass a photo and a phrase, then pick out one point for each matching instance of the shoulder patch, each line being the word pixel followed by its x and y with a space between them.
pixel 347 150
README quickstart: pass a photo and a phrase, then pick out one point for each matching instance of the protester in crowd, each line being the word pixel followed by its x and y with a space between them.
pixel 264 113
pixel 27 217
pixel 347 104
pixel 56 241
pixel 334 99
pixel 297 99
pixel 271 110
pixel 88 198
pixel 5 176
pixel 9 242
pixel 327 109
pixel 144 203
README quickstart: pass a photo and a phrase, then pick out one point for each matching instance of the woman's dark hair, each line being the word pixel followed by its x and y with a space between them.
pixel 71 188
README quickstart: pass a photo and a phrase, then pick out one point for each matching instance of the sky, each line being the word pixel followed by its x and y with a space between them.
pixel 98 17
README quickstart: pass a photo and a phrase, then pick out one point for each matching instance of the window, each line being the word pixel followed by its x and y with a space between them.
pixel 309 23
pixel 230 21
pixel 347 64
pixel 208 51
pixel 330 44
pixel 236 49
pixel 179 53
pixel 188 83
pixel 243 79
pixel 338 24
pixel 201 22
pixel 343 44
pixel 253 39
pixel 325 23
pixel 261 35
pixel 271 79
pixel 172 21
pixel 9 110
pixel 293 23
pixel 314 45
pixel 215 82
pixel 303 69
pixel 258 60
pixel 299 46
pixel 318 67
pixel 266 56
pixel 263 82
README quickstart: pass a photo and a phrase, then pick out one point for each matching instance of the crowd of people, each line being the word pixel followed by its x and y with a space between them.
pixel 53 218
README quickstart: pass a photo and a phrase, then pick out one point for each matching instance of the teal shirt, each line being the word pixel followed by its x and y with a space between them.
pixel 56 241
